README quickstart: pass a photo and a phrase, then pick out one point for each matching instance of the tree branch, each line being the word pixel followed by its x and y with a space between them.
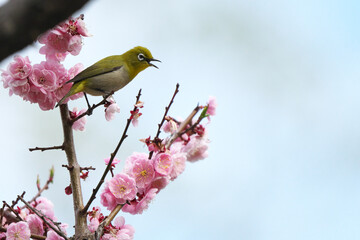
pixel 165 113
pixel 46 148
pixel 81 228
pixel 22 21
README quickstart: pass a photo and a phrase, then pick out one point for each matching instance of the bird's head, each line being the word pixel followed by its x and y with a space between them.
pixel 139 58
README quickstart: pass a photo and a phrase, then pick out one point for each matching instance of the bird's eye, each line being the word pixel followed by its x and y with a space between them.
pixel 141 57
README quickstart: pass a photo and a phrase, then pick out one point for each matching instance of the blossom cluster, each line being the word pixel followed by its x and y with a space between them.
pixel 33 224
pixel 45 83
pixel 117 230
pixel 145 174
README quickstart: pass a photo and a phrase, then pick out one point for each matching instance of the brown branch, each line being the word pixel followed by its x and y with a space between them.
pixel 13 210
pixel 90 110
pixel 100 230
pixel 46 148
pixel 164 117
pixel 42 216
pixel 81 228
pixel 112 156
pixel 182 126
pixel 19 26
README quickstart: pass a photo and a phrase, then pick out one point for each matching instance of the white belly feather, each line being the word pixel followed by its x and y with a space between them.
pixel 107 83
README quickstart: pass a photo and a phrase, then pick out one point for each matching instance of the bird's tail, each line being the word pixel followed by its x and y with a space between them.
pixel 76 88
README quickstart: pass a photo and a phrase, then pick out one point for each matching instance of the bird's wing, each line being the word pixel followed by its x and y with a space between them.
pixel 105 65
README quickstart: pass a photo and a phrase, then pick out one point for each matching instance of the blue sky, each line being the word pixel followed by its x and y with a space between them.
pixel 284 154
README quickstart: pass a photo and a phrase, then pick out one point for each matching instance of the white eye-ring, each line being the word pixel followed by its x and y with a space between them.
pixel 141 57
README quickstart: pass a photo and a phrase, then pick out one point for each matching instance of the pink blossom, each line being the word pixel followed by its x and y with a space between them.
pixel 119 231
pixel 134 117
pixel 130 161
pixel 2 235
pixel 179 160
pixel 163 163
pixel 76 27
pixel 107 199
pixel 160 182
pixel 170 126
pixel 212 104
pixel 45 206
pixel 20 69
pixel 139 205
pixel 196 148
pixel 42 78
pixel 79 125
pixel 52 235
pixel 75 45
pixel 18 231
pixel 111 108
pixel 143 172
pixel 114 162
pixel 94 224
pixel 35 224
pixel 123 187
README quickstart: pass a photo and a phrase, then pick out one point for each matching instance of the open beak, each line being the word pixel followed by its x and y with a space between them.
pixel 152 59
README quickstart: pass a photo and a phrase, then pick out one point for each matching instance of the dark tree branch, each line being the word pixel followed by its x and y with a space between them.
pixel 46 148
pixel 164 117
pixel 22 21
pixel 90 109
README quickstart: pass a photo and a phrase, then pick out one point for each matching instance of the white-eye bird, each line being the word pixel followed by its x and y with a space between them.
pixel 111 73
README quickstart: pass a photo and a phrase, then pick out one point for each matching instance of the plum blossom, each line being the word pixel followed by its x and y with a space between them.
pixel 123 187
pixel 52 235
pixel 212 104
pixel 107 199
pixel 35 224
pixel 95 217
pixel 134 117
pixel 45 206
pixel 18 231
pixel 111 108
pixel 170 126
pixel 163 163
pixel 137 206
pixel 20 69
pixel 196 148
pixel 143 172
pixel 78 125
pixel 179 160
pixel 119 230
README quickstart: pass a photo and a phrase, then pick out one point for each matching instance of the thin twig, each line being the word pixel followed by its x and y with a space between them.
pixel 164 117
pixel 15 212
pixel 90 110
pixel 87 168
pixel 17 200
pixel 59 232
pixel 112 156
pixel 45 187
pixel 61 147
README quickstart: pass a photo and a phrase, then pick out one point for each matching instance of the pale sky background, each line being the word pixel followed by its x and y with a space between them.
pixel 284 158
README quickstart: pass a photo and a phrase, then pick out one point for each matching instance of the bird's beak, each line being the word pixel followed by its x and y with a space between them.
pixel 152 59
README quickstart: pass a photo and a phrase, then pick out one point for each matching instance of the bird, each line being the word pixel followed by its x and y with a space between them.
pixel 111 73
